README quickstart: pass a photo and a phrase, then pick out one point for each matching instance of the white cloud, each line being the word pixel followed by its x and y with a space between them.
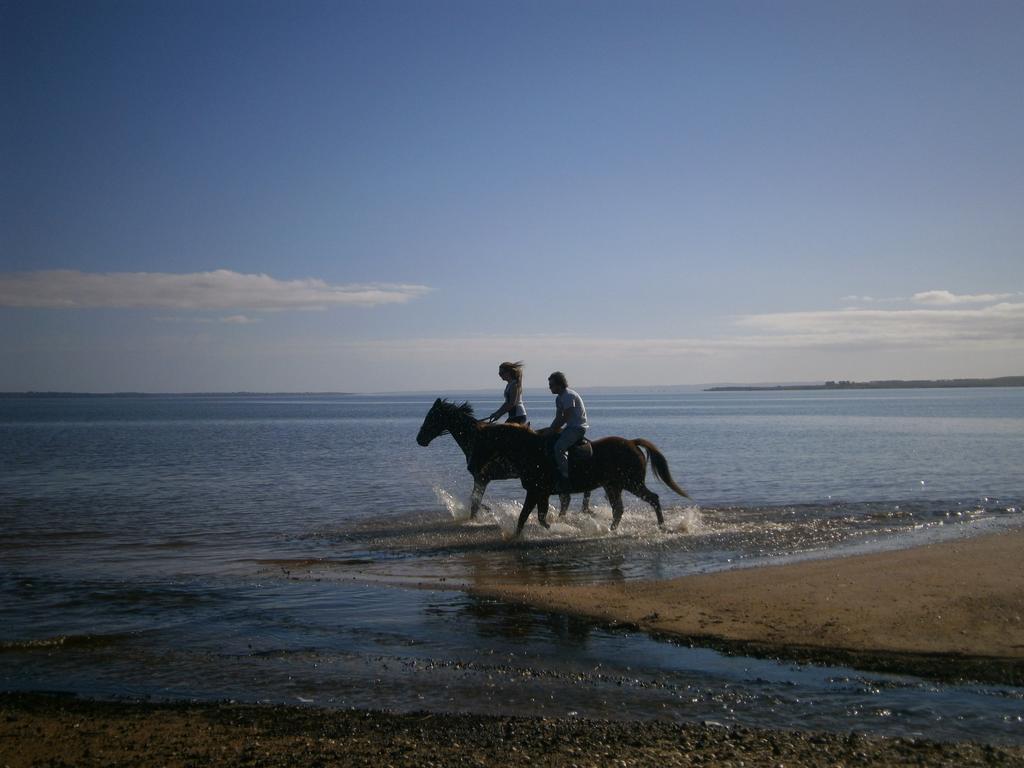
pixel 873 300
pixel 229 320
pixel 998 326
pixel 947 297
pixel 1001 324
pixel 217 290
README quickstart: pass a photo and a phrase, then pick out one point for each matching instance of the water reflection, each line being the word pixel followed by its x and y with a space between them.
pixel 494 619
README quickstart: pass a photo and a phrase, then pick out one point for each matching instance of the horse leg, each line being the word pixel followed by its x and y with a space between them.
pixel 563 500
pixel 585 509
pixel 651 498
pixel 542 511
pixel 479 486
pixel 615 497
pixel 528 506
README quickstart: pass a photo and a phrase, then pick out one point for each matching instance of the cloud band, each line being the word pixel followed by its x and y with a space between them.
pixel 216 290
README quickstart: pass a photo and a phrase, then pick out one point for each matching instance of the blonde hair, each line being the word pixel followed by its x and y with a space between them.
pixel 515 369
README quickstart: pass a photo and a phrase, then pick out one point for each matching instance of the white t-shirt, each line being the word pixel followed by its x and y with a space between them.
pixel 576 413
pixel 518 408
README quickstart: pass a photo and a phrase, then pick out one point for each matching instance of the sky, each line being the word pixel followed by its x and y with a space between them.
pixel 384 196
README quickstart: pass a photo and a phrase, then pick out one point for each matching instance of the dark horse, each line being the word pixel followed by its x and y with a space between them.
pixel 461 424
pixel 618 464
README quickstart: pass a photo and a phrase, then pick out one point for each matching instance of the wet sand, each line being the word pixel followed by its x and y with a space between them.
pixel 39 730
pixel 950 611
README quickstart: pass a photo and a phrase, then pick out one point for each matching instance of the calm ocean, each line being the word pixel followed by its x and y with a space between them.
pixel 304 549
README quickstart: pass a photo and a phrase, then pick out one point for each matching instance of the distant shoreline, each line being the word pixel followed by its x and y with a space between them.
pixel 1002 381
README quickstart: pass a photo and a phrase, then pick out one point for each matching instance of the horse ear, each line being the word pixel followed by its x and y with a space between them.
pixel 437 402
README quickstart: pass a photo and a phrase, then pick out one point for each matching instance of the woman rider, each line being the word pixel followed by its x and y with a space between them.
pixel 512 375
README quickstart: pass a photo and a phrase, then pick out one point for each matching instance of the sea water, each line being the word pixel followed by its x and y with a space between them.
pixel 304 549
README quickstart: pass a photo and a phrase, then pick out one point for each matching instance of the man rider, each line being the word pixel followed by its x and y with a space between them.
pixel 571 418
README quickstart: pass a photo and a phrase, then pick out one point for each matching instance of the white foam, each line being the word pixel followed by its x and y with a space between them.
pixel 458 510
pixel 591 526
pixel 505 514
pixel 560 527
pixel 686 520
pixel 637 519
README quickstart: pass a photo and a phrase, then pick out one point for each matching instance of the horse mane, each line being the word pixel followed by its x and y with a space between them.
pixel 463 409
pixel 510 429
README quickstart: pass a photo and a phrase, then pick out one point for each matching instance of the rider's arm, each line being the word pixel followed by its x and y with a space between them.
pixel 505 408
pixel 560 419
pixel 510 402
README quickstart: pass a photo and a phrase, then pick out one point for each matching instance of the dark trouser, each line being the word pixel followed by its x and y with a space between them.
pixel 567 438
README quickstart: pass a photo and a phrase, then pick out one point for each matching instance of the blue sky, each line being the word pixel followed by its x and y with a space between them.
pixel 388 196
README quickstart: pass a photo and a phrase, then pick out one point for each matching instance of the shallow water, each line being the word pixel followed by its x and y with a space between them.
pixel 305 549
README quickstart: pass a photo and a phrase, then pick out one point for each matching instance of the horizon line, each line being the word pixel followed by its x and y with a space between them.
pixel 340 393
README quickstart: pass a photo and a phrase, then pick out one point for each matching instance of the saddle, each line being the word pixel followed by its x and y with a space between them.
pixel 580 455
pixel 581 451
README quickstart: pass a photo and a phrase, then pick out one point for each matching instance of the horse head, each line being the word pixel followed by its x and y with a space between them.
pixel 433 424
pixel 442 417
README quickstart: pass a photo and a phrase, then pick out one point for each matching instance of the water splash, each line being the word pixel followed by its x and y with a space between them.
pixel 592 526
pixel 686 521
pixel 505 514
pixel 638 522
pixel 458 510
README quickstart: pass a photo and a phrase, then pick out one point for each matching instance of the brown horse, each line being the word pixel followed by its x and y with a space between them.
pixel 618 464
pixel 460 422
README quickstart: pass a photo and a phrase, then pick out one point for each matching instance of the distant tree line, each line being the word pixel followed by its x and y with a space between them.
pixel 1002 381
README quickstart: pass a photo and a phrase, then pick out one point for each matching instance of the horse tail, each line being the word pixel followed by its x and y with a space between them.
pixel 659 464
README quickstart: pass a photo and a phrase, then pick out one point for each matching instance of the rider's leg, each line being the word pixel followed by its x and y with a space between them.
pixel 566 438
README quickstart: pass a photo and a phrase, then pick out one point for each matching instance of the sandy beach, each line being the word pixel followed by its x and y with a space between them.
pixel 952 611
